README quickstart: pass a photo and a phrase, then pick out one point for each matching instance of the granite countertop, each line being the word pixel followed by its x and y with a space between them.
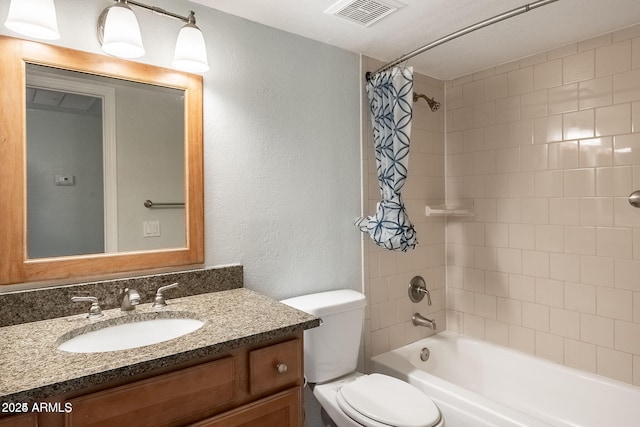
pixel 33 368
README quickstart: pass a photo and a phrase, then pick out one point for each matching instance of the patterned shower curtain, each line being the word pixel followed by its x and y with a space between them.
pixel 390 96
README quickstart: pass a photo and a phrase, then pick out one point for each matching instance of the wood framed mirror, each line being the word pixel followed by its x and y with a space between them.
pixel 147 145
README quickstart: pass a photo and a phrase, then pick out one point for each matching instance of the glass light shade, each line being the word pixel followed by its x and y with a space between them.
pixel 191 51
pixel 33 18
pixel 121 36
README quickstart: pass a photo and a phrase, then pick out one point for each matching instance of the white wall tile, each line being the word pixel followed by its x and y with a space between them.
pixel 578 67
pixel 563 99
pixel 627 273
pixel 564 267
pixel 535 316
pixel 520 81
pixel 534 104
pixel 614 364
pixel 595 93
pixel 614 58
pixel 549 346
pixel 563 155
pixel 507 109
pixel 596 330
pixel 579 182
pixel 534 157
pixel 596 211
pixel 509 311
pixel 549 158
pixel 547 129
pixel 580 355
pixel 565 323
pixel 547 74
pixel 613 120
pixel 580 298
pixel 626 87
pixel 614 242
pixel 626 149
pixel 521 236
pixel 596 152
pixel 549 238
pixel 564 210
pixel 580 240
pixel 626 337
pixel 578 125
pixel 535 210
pixel 522 339
pixel 614 303
pixel 549 292
pixel 597 270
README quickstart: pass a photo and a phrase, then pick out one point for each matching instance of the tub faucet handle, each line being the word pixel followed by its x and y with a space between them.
pixel 418 289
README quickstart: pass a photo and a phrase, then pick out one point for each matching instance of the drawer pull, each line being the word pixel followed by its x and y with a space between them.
pixel 282 367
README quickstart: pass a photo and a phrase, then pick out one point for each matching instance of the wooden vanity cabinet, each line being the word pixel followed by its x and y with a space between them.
pixel 257 386
pixel 280 410
pixel 25 420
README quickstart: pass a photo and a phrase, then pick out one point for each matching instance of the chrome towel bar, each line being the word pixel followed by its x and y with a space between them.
pixel 149 204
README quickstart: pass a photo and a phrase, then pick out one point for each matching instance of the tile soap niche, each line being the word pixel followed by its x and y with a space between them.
pixel 454 209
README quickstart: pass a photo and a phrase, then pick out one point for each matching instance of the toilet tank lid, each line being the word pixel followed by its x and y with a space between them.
pixel 325 303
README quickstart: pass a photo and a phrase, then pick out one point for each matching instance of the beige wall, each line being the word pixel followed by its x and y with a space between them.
pixel 386 273
pixel 548 150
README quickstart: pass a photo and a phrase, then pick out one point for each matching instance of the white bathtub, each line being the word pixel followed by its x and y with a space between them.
pixel 475 383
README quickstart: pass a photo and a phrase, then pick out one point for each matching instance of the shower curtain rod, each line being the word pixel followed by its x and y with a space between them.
pixel 506 15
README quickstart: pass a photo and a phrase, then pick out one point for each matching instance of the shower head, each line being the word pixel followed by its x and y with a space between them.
pixel 433 104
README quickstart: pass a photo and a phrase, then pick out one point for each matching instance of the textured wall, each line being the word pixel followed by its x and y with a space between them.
pixel 282 159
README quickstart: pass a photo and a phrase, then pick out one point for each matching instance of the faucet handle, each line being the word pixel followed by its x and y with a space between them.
pixel 95 311
pixel 159 301
pixel 418 289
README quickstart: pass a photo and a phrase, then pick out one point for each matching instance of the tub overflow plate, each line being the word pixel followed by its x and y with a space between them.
pixel 424 354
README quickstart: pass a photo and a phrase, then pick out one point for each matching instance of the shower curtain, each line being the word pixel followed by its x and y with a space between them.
pixel 390 96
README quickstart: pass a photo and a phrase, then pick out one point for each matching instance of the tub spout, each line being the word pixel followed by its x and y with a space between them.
pixel 420 320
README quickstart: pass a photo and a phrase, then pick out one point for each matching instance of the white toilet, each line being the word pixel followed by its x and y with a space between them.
pixel 330 359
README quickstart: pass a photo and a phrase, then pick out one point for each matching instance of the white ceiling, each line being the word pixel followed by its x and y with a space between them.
pixel 424 21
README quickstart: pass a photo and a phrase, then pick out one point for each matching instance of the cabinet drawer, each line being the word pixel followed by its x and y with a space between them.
pixel 280 410
pixel 162 400
pixel 275 366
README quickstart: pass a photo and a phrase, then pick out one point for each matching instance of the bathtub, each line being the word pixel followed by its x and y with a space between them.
pixel 475 383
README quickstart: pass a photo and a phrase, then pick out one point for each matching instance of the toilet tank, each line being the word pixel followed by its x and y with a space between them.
pixel 331 350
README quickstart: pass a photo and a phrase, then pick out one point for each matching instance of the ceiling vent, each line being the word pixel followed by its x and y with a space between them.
pixel 364 12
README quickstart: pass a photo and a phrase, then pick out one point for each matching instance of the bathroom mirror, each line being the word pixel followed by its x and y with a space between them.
pixel 85 141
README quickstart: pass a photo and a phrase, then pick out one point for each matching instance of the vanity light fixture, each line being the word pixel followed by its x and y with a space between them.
pixel 119 34
pixel 191 51
pixel 33 18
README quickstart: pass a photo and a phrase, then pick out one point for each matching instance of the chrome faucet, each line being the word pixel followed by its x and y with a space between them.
pixel 159 301
pixel 130 300
pixel 95 311
pixel 420 320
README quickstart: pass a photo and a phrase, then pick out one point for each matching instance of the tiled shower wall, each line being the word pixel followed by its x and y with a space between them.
pixel 387 274
pixel 548 150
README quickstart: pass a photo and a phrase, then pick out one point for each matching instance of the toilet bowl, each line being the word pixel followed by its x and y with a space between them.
pixel 376 400
pixel 352 399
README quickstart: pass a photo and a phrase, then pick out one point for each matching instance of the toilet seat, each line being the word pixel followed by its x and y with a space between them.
pixel 377 400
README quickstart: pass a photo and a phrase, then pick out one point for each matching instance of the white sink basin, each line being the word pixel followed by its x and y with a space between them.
pixel 130 335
